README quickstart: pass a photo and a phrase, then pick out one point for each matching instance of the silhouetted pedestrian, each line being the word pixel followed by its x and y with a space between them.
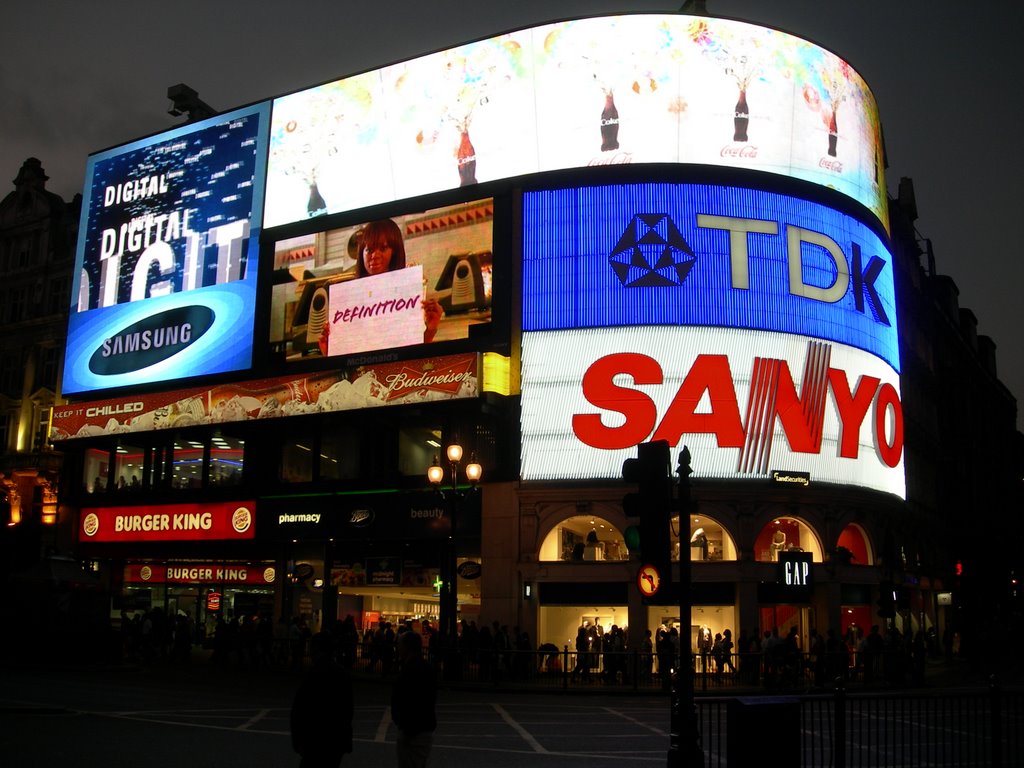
pixel 321 717
pixel 413 703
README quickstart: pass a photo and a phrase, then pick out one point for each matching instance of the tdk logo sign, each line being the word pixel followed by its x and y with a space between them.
pixel 651 252
pixel 704 255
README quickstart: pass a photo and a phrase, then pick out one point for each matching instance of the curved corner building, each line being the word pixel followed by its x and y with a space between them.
pixel 637 228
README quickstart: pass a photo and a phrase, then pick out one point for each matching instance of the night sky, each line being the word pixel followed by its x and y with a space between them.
pixel 76 78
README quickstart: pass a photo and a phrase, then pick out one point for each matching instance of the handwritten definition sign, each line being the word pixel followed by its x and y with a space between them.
pixel 377 312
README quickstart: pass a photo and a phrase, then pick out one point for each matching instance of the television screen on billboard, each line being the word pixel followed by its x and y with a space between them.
pixel 643 88
pixel 166 257
pixel 383 284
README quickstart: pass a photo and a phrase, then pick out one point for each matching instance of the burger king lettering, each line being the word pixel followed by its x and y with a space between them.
pixel 169 522
pixel 183 522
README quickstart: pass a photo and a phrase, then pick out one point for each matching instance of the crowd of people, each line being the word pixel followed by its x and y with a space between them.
pixel 494 651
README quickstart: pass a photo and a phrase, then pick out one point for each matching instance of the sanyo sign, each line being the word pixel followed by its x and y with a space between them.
pixel 743 401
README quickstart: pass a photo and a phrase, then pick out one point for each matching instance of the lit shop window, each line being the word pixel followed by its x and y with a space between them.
pixel 339 456
pixel 417 447
pixel 187 465
pixel 853 547
pixel 584 538
pixel 227 457
pixel 128 464
pixel 786 534
pixel 297 460
pixel 96 470
pixel 709 541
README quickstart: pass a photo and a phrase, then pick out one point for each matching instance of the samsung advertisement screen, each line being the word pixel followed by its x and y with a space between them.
pixel 166 258
pixel 383 284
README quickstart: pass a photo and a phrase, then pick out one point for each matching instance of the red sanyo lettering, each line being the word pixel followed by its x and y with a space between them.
pixel 800 415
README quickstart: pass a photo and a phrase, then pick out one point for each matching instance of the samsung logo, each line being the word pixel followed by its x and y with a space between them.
pixel 151 340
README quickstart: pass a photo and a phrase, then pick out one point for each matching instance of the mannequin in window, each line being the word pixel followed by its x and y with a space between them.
pixel 778 544
pixel 594 550
pixel 699 545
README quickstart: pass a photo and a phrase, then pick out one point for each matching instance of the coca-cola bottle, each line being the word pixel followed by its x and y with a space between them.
pixel 741 119
pixel 316 203
pixel 833 134
pixel 467 161
pixel 609 124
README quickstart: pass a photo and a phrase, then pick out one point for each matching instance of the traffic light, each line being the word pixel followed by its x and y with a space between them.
pixel 887 600
pixel 651 503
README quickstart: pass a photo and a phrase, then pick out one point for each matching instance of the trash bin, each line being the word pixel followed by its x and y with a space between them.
pixel 763 730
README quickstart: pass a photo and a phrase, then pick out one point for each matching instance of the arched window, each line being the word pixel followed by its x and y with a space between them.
pixel 786 534
pixel 853 546
pixel 708 540
pixel 584 538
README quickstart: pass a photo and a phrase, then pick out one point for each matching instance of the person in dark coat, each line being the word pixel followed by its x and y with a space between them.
pixel 321 717
pixel 414 703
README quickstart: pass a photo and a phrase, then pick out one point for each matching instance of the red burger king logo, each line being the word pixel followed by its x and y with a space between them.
pixel 241 519
pixel 90 524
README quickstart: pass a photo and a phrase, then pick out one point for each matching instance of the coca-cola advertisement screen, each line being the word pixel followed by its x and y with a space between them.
pixel 166 261
pixel 406 280
pixel 642 88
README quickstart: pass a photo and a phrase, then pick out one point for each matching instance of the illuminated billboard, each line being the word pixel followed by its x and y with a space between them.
pixel 413 279
pixel 232 520
pixel 167 251
pixel 705 255
pixel 645 88
pixel 441 378
pixel 748 404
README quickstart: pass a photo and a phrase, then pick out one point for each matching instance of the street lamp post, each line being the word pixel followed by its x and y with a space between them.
pixel 449 596
pixel 684 738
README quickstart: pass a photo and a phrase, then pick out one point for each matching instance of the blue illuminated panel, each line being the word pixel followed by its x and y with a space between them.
pixel 671 254
pixel 167 253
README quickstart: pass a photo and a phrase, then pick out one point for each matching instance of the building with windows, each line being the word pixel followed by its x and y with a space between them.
pixel 37 250
pixel 281 315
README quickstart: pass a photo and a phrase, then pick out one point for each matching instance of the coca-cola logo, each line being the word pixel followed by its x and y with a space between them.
pixel 830 165
pixel 738 150
pixel 618 158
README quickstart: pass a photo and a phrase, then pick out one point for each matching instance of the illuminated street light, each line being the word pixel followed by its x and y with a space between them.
pixel 449 597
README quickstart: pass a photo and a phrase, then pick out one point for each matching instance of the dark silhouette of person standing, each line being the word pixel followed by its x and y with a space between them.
pixel 414 703
pixel 321 717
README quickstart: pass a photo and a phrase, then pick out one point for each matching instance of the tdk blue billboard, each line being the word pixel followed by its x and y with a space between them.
pixel 705 255
pixel 167 255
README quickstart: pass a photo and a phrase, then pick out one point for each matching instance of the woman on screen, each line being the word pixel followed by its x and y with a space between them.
pixel 382 249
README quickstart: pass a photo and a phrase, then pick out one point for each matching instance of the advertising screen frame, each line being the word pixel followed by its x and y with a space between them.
pixel 457 242
pixel 166 264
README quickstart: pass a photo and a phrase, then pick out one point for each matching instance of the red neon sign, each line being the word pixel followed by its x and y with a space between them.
pixel 169 522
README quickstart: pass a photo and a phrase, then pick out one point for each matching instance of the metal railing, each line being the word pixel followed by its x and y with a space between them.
pixel 567 668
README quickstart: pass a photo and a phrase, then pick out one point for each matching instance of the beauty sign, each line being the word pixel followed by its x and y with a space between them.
pixel 376 312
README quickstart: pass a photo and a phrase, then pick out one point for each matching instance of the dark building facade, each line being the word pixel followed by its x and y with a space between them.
pixel 38 231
